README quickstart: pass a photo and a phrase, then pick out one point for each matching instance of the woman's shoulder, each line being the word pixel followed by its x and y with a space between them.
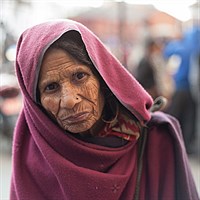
pixel 160 118
pixel 165 126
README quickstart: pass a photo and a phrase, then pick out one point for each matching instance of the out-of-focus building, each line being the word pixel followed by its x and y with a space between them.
pixel 113 16
pixel 164 25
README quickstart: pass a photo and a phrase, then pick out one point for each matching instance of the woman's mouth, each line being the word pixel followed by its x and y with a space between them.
pixel 76 118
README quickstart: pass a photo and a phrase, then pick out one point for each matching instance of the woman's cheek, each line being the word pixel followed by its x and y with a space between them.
pixel 92 91
pixel 51 104
pixel 96 96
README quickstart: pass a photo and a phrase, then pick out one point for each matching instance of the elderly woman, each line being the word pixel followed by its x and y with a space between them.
pixel 86 131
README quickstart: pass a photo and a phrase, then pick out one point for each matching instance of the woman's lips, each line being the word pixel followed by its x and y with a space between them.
pixel 76 118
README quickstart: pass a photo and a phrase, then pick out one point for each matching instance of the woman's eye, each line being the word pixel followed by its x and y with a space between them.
pixel 51 87
pixel 79 76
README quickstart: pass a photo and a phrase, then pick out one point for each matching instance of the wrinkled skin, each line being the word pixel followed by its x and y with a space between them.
pixel 70 92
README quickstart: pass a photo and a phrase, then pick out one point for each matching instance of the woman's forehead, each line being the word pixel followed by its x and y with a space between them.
pixel 59 61
pixel 56 57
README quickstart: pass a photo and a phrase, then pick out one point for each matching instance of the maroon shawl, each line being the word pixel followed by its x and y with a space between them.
pixel 51 164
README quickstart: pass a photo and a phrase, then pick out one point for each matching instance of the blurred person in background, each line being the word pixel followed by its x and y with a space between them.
pixel 87 130
pixel 194 79
pixel 183 105
pixel 151 71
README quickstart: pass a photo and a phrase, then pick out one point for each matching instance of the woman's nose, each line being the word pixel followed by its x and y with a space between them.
pixel 69 101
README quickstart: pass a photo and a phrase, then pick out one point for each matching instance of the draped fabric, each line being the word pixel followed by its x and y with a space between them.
pixel 49 163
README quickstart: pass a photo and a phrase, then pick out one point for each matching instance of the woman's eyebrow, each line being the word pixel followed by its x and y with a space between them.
pixel 48 79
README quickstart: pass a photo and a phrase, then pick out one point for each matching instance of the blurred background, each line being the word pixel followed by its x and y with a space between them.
pixel 166 32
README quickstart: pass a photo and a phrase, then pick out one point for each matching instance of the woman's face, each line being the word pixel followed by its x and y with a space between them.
pixel 70 92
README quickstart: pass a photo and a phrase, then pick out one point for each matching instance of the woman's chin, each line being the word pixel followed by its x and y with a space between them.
pixel 75 129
